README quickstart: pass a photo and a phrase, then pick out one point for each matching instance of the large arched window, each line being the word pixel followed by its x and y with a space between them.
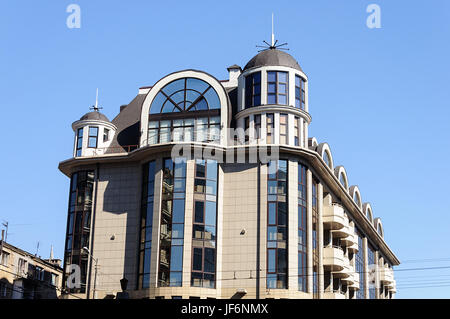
pixel 185 110
pixel 186 94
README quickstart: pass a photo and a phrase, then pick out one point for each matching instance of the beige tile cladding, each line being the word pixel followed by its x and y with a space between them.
pixel 239 213
pixel 117 216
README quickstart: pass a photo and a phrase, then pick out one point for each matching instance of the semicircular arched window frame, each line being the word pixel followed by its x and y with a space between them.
pixel 184 95
pixel 185 110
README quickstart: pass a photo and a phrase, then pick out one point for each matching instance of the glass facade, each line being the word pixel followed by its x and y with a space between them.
pixel 277 223
pixel 204 230
pixel 145 247
pixel 359 265
pixel 253 89
pixel 79 225
pixel 302 228
pixel 277 88
pixel 172 223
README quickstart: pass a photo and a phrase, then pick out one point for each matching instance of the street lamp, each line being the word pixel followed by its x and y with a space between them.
pixel 95 276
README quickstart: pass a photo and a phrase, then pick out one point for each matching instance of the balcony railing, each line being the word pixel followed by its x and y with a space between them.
pixel 386 275
pixel 100 151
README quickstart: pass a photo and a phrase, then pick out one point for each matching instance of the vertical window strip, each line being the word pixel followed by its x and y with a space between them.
pixel 257 125
pixel 371 263
pixel 315 239
pixel 270 125
pixel 204 232
pixel 79 225
pixel 145 248
pixel 299 92
pixel 359 262
pixel 283 129
pixel 302 229
pixel 172 223
pixel 79 142
pixel 277 224
pixel 296 131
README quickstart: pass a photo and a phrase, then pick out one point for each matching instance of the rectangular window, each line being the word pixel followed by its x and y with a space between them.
pixel 93 137
pixel 299 92
pixel 253 90
pixel 277 223
pixel 270 125
pixel 5 259
pixel 277 87
pixel 79 142
pixel 283 129
pixel 204 226
pixel 257 124
pixel 145 248
pixel 172 223
pixel 302 228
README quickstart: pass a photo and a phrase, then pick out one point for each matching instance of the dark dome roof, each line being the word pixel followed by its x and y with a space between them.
pixel 94 116
pixel 273 57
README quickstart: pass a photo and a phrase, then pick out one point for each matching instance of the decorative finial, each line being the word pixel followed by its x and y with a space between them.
pixel 273 43
pixel 96 107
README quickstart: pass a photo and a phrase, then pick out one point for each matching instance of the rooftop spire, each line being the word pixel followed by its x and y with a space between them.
pixel 273 43
pixel 96 108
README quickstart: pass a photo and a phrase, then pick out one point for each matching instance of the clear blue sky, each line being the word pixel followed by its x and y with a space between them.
pixel 379 97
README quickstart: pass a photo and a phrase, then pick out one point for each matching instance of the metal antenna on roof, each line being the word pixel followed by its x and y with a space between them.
pixel 96 107
pixel 273 44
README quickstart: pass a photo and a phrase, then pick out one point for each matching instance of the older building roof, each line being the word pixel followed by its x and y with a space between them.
pixel 94 116
pixel 273 57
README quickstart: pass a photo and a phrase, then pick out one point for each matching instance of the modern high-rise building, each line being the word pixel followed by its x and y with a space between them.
pixel 207 188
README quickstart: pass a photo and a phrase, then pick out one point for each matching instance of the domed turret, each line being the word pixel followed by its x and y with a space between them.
pixel 93 133
pixel 273 99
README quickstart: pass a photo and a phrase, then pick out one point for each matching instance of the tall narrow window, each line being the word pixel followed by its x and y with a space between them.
pixel 105 135
pixel 204 226
pixel 277 88
pixel 172 223
pixel 371 265
pixel 246 129
pixel 145 248
pixel 302 227
pixel 79 142
pixel 296 131
pixel 359 263
pixel 253 90
pixel 299 92
pixel 93 136
pixel 315 239
pixel 79 225
pixel 270 125
pixel 277 223
pixel 283 128
pixel 153 132
pixel 257 124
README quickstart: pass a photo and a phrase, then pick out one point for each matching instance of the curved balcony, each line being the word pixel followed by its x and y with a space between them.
pixel 333 295
pixel 355 284
pixel 344 232
pixel 393 287
pixel 345 272
pixel 386 276
pixel 351 238
pixel 334 217
pixel 333 258
pixel 350 271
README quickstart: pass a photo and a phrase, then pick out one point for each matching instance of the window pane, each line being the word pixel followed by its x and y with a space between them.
pixel 271 76
pixel 93 131
pixel 199 208
pixel 210 260
pixel 272 213
pixel 92 142
pixel 210 218
pixel 197 259
pixel 282 77
pixel 178 211
pixel 270 261
pixel 176 258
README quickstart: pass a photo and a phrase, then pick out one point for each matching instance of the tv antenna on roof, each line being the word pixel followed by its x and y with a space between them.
pixel 273 44
pixel 96 107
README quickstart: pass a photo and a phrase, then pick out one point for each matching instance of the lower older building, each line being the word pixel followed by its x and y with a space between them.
pixel 26 276
pixel 253 209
